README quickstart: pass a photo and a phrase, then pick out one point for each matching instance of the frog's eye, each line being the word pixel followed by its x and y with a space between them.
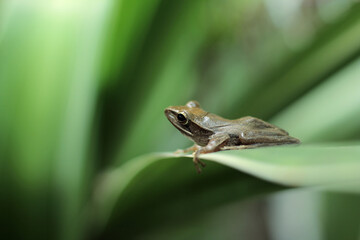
pixel 181 117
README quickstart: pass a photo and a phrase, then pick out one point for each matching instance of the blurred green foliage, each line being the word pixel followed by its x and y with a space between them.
pixel 83 85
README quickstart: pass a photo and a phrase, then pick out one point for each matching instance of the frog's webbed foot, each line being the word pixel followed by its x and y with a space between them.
pixel 186 150
pixel 179 151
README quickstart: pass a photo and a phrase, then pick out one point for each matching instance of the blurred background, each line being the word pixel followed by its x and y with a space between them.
pixel 83 86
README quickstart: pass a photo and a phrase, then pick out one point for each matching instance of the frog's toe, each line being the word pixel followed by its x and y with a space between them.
pixel 179 151
pixel 202 163
pixel 198 168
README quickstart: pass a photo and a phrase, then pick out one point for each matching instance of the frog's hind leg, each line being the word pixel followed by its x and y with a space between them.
pixel 267 137
pixel 257 145
pixel 266 142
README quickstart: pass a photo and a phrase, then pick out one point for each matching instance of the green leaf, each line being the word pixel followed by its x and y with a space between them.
pixel 334 167
pixel 49 70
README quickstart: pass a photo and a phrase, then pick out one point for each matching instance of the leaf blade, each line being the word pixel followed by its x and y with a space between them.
pixel 318 166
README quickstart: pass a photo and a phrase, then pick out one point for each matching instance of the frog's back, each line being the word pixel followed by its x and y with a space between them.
pixel 254 130
pixel 252 123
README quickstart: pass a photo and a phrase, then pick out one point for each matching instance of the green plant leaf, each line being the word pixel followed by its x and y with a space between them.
pixel 334 167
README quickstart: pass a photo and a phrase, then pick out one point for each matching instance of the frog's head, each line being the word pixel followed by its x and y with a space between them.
pixel 188 120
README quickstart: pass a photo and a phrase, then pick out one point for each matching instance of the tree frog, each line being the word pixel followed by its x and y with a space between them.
pixel 212 133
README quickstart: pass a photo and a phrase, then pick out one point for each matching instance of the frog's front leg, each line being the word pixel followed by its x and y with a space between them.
pixel 215 143
pixel 193 148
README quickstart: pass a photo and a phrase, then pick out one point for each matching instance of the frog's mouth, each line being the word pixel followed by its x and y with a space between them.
pixel 171 116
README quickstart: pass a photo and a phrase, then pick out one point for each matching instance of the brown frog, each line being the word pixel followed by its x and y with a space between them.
pixel 213 133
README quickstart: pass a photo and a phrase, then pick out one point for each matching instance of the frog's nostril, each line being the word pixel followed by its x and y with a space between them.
pixel 169 114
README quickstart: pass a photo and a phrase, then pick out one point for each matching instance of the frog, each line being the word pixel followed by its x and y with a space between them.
pixel 211 133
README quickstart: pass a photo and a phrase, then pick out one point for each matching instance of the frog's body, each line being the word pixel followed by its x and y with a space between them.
pixel 212 133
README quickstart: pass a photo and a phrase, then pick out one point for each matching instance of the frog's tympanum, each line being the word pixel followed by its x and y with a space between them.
pixel 212 133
